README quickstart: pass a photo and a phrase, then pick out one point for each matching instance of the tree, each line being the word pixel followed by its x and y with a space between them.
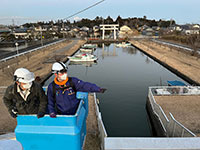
pixel 193 41
pixel 109 20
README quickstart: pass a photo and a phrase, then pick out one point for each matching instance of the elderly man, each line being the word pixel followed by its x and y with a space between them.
pixel 25 96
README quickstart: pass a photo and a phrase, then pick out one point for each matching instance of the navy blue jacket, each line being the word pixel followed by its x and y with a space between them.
pixel 66 101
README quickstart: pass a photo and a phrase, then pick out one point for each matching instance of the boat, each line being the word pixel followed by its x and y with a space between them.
pixel 83 58
pixel 123 44
pixel 86 50
pixel 89 46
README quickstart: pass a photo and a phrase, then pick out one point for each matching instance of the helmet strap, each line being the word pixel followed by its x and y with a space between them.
pixel 62 65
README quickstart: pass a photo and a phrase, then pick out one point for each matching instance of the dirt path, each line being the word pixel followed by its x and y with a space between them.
pixel 92 141
pixel 181 61
pixel 40 63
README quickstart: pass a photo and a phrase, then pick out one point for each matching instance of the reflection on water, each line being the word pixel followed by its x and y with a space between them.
pixel 126 73
pixel 87 64
pixel 130 50
pixel 107 51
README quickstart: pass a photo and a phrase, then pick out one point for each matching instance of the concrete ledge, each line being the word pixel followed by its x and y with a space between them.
pixel 7 136
pixel 10 145
pixel 152 143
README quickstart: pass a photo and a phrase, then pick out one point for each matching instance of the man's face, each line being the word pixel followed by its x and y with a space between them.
pixel 61 76
pixel 23 86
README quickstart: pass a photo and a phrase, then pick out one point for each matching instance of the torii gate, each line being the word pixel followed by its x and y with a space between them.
pixel 109 27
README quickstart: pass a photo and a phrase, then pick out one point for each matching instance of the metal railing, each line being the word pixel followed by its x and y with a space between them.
pixel 172 127
pixel 176 90
pixel 29 51
pixel 158 112
pixel 102 130
pixel 176 129
pixel 174 45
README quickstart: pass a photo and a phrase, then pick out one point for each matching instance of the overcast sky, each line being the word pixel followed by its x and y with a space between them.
pixel 21 11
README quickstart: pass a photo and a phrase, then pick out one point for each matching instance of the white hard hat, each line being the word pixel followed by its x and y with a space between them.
pixel 59 67
pixel 23 75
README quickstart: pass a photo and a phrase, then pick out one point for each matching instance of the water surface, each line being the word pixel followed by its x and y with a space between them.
pixel 126 73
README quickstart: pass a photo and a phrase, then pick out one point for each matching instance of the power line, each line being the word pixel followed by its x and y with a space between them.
pixel 83 10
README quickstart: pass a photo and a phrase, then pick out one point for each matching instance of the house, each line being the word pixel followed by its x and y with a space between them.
pixel 191 31
pixel 196 26
pixel 148 31
pixel 21 33
pixel 86 29
pixel 96 31
pixel 176 28
pixel 4 30
pixel 96 28
pixel 125 31
pixel 76 29
pixel 40 29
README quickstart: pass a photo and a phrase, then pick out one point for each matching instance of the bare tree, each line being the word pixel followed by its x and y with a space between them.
pixel 193 41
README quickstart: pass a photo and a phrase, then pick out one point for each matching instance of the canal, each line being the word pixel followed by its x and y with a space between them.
pixel 126 73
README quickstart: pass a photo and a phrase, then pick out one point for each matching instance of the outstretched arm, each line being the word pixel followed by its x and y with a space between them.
pixel 86 86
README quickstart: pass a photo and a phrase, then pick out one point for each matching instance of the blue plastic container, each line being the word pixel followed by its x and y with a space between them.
pixel 66 132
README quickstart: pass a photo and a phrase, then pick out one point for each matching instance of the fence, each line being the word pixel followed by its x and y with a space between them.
pixel 171 126
pixel 174 45
pixel 101 127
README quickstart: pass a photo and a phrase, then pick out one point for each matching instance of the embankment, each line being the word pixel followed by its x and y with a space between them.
pixel 181 63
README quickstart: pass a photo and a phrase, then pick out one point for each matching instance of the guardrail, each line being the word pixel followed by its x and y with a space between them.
pixel 29 51
pixel 174 45
pixel 171 126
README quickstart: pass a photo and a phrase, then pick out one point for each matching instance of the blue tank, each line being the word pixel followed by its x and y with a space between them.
pixel 66 132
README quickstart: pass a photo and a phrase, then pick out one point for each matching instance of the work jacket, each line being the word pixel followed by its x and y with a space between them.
pixel 65 101
pixel 36 101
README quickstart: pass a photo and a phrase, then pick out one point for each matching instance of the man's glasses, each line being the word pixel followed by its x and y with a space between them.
pixel 63 71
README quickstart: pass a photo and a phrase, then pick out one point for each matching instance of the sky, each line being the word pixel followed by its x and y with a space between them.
pixel 22 11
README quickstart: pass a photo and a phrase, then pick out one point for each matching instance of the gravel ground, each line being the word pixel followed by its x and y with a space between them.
pixel 92 138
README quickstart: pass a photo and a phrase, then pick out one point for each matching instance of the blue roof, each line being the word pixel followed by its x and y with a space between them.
pixel 176 83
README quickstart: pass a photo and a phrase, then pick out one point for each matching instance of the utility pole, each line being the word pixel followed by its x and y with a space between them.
pixel 17 48
pixel 41 36
pixel 63 26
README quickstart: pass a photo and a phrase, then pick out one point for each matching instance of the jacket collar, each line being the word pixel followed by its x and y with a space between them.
pixel 60 83
pixel 16 90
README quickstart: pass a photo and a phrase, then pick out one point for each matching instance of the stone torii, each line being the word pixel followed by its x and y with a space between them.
pixel 109 27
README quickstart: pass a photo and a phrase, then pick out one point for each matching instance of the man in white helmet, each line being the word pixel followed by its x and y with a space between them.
pixel 62 91
pixel 25 96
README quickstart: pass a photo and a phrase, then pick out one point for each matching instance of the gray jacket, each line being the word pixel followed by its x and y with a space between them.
pixel 36 101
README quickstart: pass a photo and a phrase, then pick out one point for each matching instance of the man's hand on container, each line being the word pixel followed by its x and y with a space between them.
pixel 40 115
pixel 14 113
pixel 52 115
